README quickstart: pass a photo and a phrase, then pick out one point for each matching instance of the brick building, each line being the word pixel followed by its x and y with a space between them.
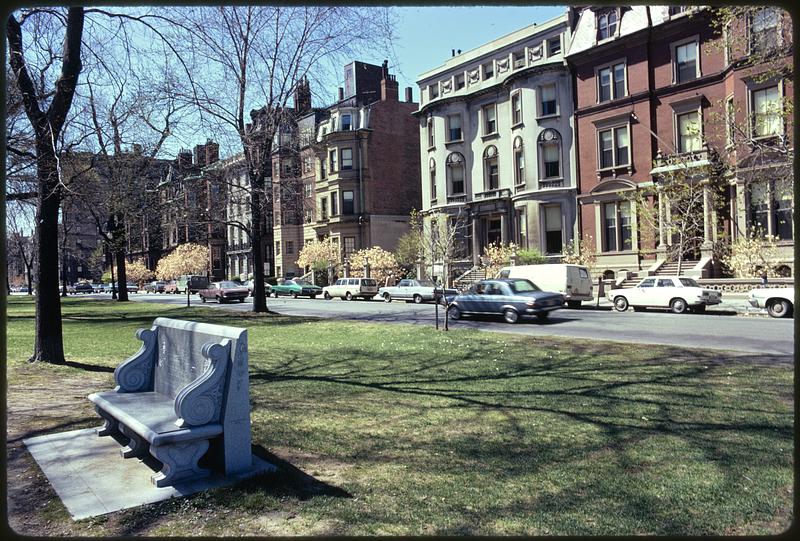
pixel 655 90
pixel 496 138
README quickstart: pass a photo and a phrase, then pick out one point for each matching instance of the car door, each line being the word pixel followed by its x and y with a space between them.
pixel 644 294
pixel 664 292
pixel 468 301
pixel 494 297
pixel 403 289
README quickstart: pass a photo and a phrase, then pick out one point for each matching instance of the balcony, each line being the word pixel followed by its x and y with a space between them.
pixel 551 183
pixel 457 198
pixel 493 194
pixel 684 160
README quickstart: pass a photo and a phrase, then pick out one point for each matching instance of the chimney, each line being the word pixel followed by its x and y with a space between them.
pixel 341 93
pixel 389 88
pixel 409 94
pixel 212 152
pixel 184 158
pixel 302 96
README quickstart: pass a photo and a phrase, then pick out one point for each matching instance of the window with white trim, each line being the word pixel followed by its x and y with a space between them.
pixel 455 173
pixel 487 70
pixel 607 24
pixel 349 246
pixel 431 133
pixel 767 111
pixel 617 228
pixel 454 128
pixel 554 46
pixel 613 148
pixel 690 133
pixel 332 160
pixel 519 162
pixel 770 211
pixel 347 122
pixel 516 108
pixel 611 82
pixel 432 177
pixel 348 202
pixel 334 203
pixel 347 158
pixel 553 234
pixel 489 119
pixel 764 30
pixel 322 169
pixel 685 63
pixel 549 154
pixel 548 102
pixel 491 175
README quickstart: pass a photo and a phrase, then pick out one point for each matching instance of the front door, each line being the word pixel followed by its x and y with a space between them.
pixel 494 231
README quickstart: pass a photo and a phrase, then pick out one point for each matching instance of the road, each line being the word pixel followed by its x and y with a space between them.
pixel 714 331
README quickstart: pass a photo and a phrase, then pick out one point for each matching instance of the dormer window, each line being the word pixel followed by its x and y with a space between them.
pixel 607 24
pixel 347 122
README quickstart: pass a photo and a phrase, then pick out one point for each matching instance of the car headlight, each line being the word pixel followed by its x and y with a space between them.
pixel 530 303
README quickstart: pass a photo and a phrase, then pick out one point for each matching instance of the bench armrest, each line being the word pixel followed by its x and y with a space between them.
pixel 200 402
pixel 135 375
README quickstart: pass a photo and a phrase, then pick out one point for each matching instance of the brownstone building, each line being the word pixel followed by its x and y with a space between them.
pixel 657 89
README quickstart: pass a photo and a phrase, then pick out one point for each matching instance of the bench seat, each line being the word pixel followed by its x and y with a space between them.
pixel 152 416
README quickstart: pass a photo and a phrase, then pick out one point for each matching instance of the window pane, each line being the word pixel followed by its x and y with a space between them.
pixel 759 207
pixel 552 226
pixel 548 97
pixel 489 116
pixel 689 132
pixel 783 214
pixel 686 57
pixel 519 157
pixel 605 84
pixel 619 80
pixel 625 225
pixel 610 227
pixel 551 160
pixel 347 158
pixel 621 135
pixel 457 178
pixel 454 122
pixel 347 202
pixel 767 108
pixel 606 150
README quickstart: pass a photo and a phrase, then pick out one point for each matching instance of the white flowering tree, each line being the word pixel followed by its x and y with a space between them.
pixel 382 263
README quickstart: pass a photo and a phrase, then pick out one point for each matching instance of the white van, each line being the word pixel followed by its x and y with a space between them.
pixel 572 281
pixel 350 288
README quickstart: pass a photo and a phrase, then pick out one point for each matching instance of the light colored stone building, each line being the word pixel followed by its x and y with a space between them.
pixel 496 141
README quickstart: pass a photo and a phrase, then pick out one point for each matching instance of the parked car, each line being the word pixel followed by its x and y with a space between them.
pixel 108 288
pixel 268 282
pixel 572 281
pixel 351 288
pixel 513 298
pixel 97 288
pixel 223 292
pixel 171 287
pixel 779 302
pixel 156 286
pixel 132 288
pixel 23 289
pixel 412 290
pixel 296 288
pixel 678 293
pixel 194 282
pixel 83 287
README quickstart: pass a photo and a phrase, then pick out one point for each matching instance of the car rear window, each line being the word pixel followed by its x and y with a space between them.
pixel 369 282
pixel 228 284
pixel 688 282
pixel 522 286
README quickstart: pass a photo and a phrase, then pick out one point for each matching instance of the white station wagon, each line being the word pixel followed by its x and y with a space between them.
pixel 678 293
pixel 351 288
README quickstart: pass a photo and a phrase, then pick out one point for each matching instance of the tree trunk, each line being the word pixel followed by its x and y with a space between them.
pixel 259 297
pixel 122 279
pixel 48 345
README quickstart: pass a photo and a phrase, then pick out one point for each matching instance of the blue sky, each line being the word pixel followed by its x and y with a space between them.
pixel 427 34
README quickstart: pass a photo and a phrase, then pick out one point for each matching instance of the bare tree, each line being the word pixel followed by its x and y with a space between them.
pixel 253 58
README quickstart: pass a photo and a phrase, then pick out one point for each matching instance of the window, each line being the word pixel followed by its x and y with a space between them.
pixel 516 108
pixel 287 169
pixel 518 59
pixel 617 226
pixel 309 215
pixel 613 147
pixel 490 171
pixel 766 106
pixel 689 132
pixel 771 208
pixel 730 121
pixel 277 247
pixel 611 82
pixel 519 162
pixel 489 119
pixel 455 172
pixel 552 229
pixel 606 25
pixel 433 91
pixel 348 206
pixel 347 158
pixel 289 247
pixel 332 160
pixel 554 46
pixel 431 134
pixel 547 100
pixel 650 282
pixel 764 30
pixel 306 164
pixel 522 227
pixel 322 170
pixel 323 208
pixel 432 176
pixel 550 154
pixel 460 81
pixel 685 67
pixel 334 203
pixel 454 127
pixel 674 10
pixel 308 189
pixel 488 70
pixel 347 122
pixel 349 246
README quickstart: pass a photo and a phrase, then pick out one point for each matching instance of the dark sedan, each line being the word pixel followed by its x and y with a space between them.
pixel 514 298
pixel 224 292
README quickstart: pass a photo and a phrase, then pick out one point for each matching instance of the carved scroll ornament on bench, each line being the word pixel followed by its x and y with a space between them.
pixel 200 402
pixel 135 375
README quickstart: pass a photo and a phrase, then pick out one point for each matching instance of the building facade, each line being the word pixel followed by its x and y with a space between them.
pixel 659 90
pixel 497 142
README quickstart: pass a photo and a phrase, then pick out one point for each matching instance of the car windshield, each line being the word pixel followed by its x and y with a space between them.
pixel 688 282
pixel 302 283
pixel 228 285
pixel 426 283
pixel 522 286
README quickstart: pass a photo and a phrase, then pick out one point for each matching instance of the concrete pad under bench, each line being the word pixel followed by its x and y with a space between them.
pixel 91 479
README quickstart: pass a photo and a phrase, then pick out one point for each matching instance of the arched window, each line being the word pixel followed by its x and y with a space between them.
pixel 432 173
pixel 606 24
pixel 455 173
pixel 519 162
pixel 491 176
pixel 783 271
pixel 608 274
pixel 550 155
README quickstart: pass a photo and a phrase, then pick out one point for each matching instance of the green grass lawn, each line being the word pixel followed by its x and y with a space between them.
pixel 405 430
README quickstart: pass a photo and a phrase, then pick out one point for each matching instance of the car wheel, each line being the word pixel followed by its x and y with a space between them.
pixel 454 313
pixel 575 305
pixel 620 304
pixel 678 306
pixel 275 294
pixel 779 308
pixel 369 298
pixel 202 298
pixel 327 296
pixel 313 296
pixel 417 299
pixel 348 296
pixel 219 300
pixel 387 297
pixel 543 316
pixel 510 315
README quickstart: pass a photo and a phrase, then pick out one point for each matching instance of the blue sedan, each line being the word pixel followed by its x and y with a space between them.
pixel 514 298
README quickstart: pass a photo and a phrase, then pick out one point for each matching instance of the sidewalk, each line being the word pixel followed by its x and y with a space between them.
pixel 732 303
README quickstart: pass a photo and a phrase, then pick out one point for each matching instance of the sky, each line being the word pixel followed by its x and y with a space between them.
pixel 427 35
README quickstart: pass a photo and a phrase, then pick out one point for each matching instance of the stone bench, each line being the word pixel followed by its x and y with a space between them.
pixel 183 396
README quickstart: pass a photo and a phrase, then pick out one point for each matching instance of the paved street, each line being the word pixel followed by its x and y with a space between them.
pixel 716 330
